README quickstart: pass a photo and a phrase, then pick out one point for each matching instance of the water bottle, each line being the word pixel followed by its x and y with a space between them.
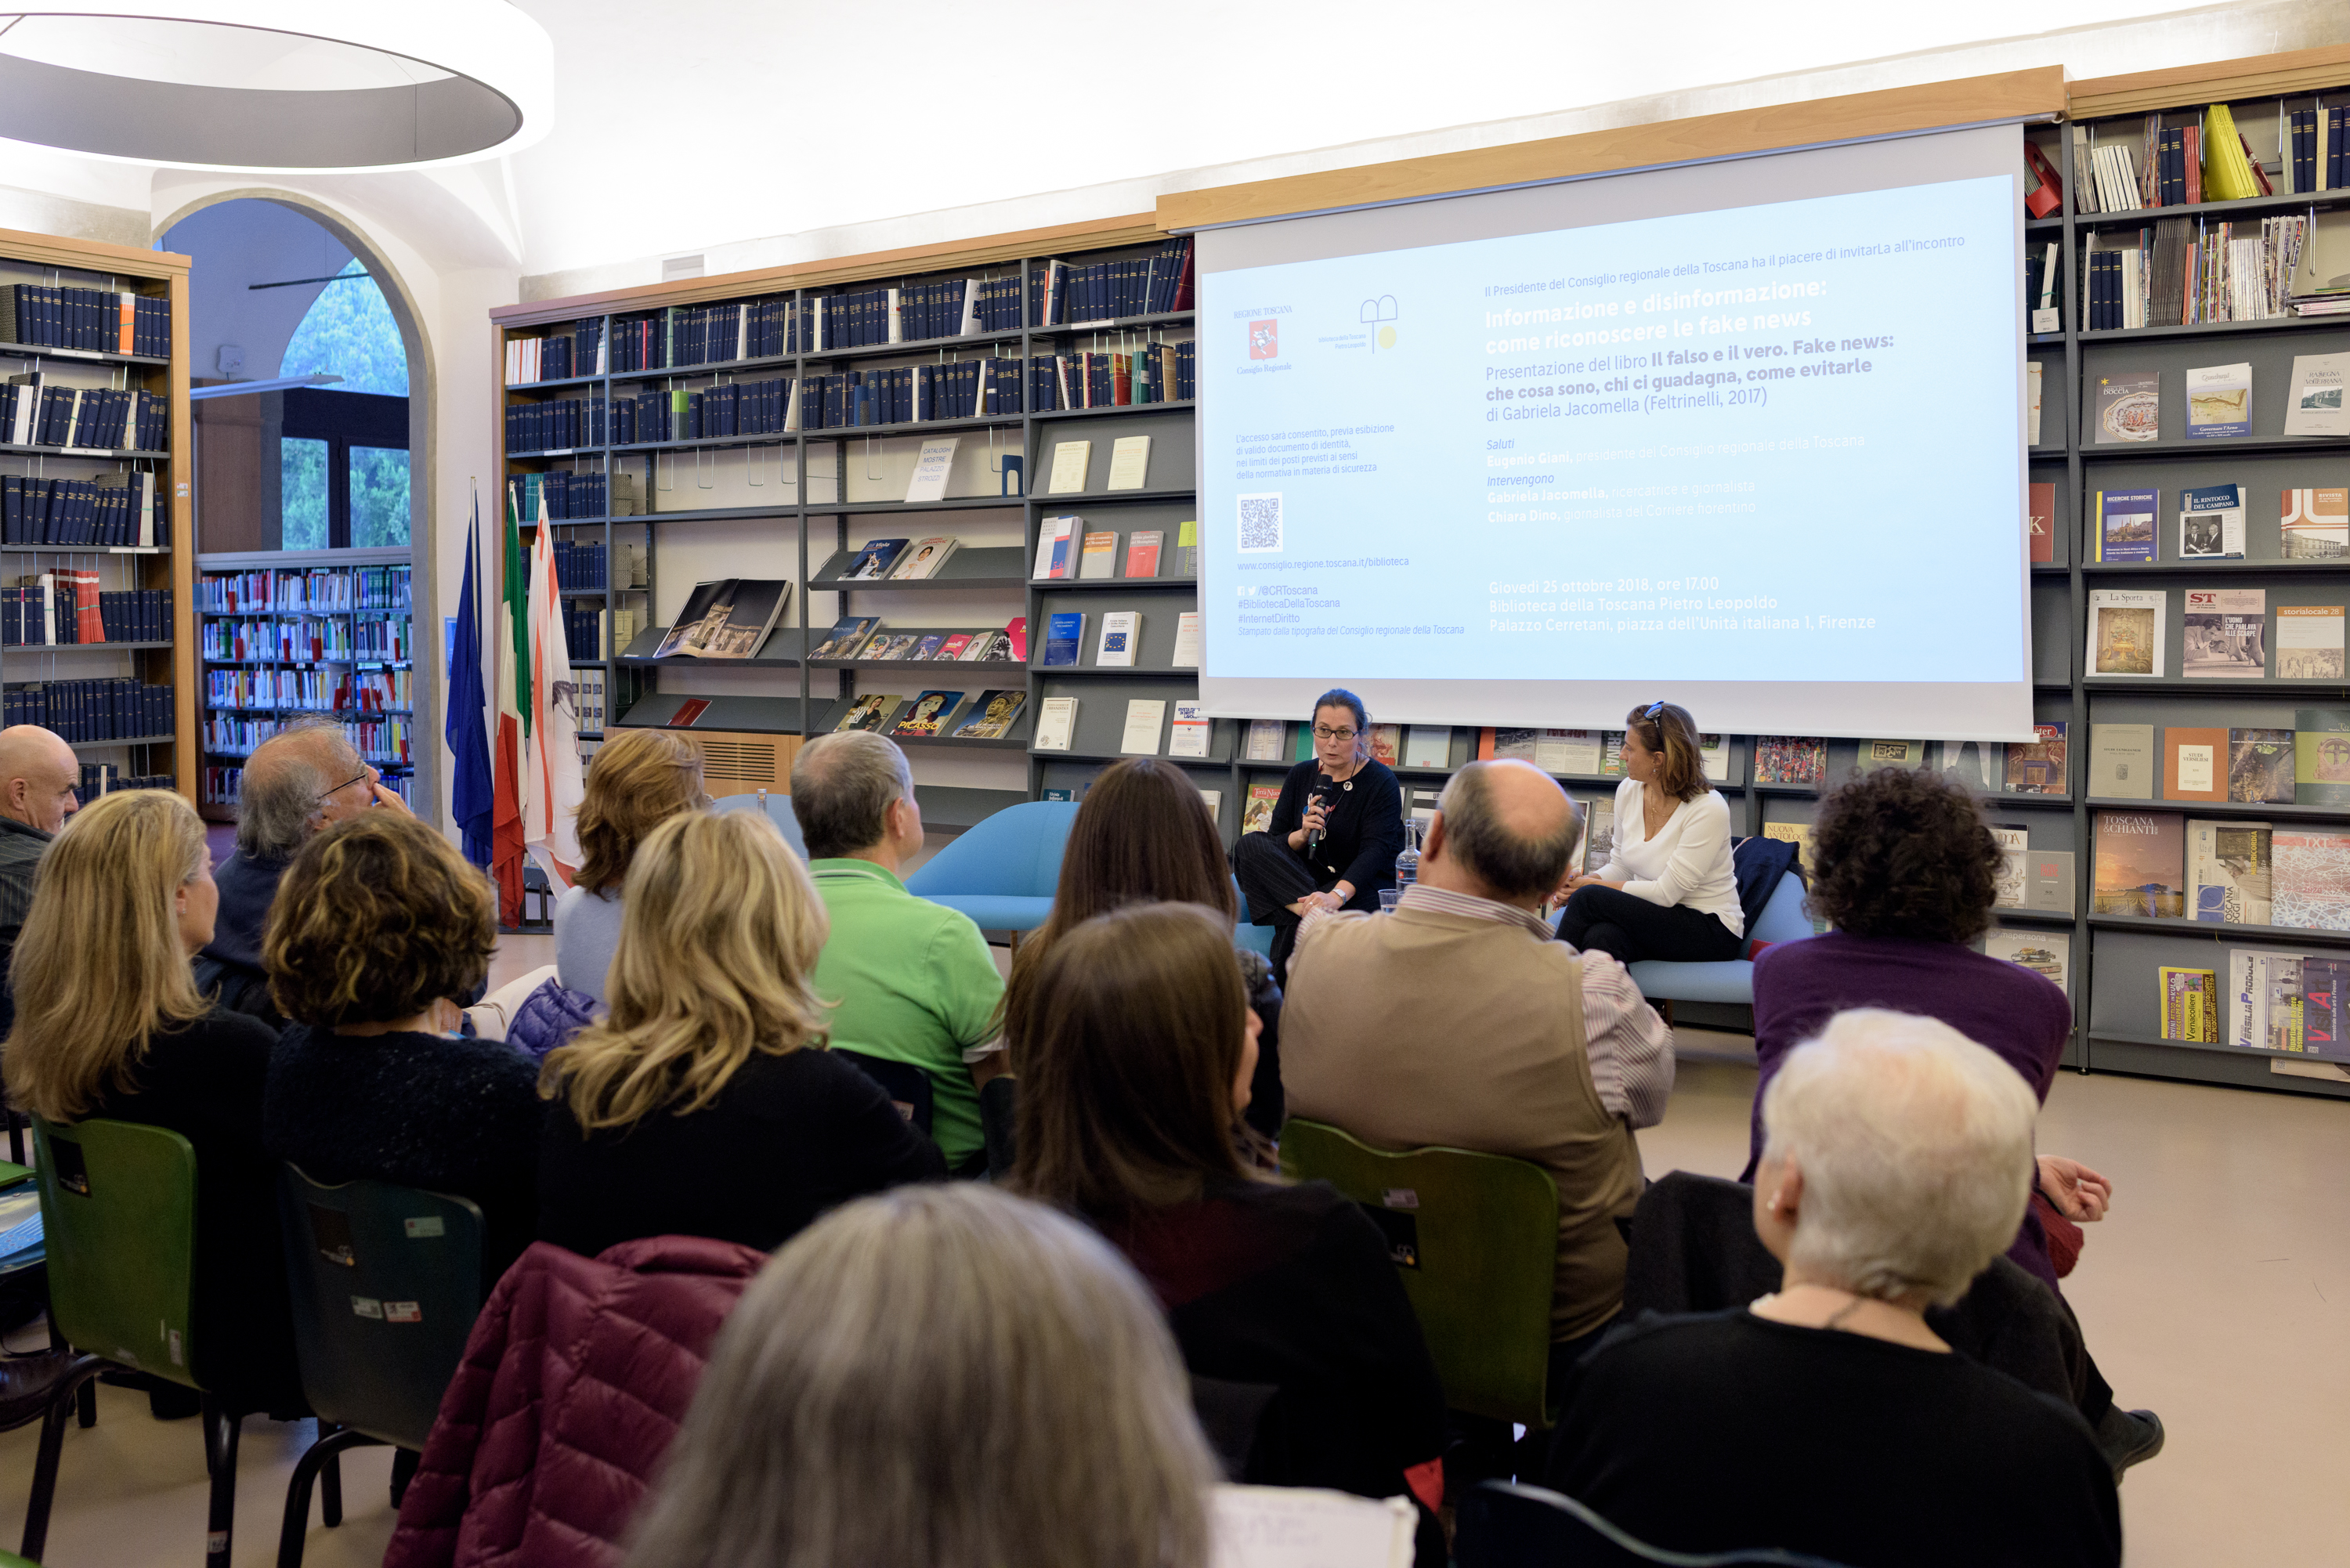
pixel 1408 862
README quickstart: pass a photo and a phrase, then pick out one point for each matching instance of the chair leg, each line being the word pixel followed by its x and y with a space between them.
pixel 86 1400
pixel 403 1471
pixel 319 1457
pixel 221 1519
pixel 16 1136
pixel 45 1465
pixel 331 1491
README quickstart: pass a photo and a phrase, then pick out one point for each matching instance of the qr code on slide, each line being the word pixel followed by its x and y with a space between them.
pixel 1259 523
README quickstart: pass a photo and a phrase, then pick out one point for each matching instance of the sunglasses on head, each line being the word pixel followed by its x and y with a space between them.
pixel 1654 709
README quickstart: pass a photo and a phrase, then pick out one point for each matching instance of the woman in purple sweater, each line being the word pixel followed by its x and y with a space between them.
pixel 1905 872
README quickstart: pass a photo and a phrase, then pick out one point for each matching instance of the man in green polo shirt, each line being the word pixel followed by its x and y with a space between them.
pixel 914 980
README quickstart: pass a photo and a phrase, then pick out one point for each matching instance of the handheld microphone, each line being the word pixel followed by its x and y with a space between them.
pixel 1314 835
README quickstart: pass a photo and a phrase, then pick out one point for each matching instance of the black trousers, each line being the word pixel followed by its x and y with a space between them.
pixel 1272 878
pixel 1629 928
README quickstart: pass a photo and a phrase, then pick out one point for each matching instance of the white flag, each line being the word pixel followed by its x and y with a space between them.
pixel 552 788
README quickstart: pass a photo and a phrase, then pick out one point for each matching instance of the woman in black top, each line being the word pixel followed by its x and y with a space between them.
pixel 705 1104
pixel 1827 1417
pixel 1334 835
pixel 1136 1046
pixel 109 1024
pixel 378 929
pixel 1145 835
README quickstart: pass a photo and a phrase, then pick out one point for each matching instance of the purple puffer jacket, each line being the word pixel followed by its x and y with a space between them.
pixel 549 1017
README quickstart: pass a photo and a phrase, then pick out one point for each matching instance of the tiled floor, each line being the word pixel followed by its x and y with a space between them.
pixel 2217 1292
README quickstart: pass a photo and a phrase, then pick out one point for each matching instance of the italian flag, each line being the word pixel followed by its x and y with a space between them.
pixel 508 841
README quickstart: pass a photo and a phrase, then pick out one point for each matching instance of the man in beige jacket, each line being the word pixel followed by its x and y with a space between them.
pixel 1460 1019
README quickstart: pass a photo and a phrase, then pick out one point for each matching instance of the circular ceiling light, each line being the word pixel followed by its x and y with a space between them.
pixel 268 85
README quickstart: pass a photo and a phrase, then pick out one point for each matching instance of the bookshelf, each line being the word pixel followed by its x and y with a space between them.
pixel 797 505
pixel 93 688
pixel 287 634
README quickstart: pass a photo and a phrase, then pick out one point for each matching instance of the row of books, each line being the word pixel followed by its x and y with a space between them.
pixel 2186 273
pixel 681 336
pixel 105 778
pixel 2225 631
pixel 117 708
pixel 2271 1000
pixel 2313 524
pixel 931 715
pixel 2227 872
pixel 1119 640
pixel 2127 405
pixel 325 591
pixel 2039 767
pixel 865 637
pixel 2170 165
pixel 1067 548
pixel 1186 736
pixel 2308 765
pixel 312 690
pixel 582 565
pixel 67 608
pixel 36 411
pixel 93 321
pixel 382 641
pixel 119 511
pixel 981 388
pixel 565 495
pixel 583 630
pixel 382 741
pixel 308 638
pixel 588 691
pixel 897 560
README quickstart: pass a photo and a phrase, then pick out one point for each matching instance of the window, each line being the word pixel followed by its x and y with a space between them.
pixel 379 497
pixel 350 333
pixel 302 509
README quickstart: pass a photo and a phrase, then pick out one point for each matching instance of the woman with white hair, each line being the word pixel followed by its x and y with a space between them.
pixel 1828 1418
pixel 939 1376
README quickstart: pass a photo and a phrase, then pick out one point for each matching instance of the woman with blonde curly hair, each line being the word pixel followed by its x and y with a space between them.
pixel 705 1104
pixel 109 1024
pixel 378 929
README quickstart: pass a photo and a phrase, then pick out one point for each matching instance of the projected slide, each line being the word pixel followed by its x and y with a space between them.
pixel 1766 444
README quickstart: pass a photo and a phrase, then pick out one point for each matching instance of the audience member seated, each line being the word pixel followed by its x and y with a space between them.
pixel 705 1104
pixel 1668 890
pixel 379 927
pixel 109 1024
pixel 1828 1418
pixel 1905 872
pixel 306 777
pixel 1136 1045
pixel 1335 834
pixel 640 779
pixel 39 778
pixel 1144 836
pixel 1458 1020
pixel 943 1375
pixel 908 980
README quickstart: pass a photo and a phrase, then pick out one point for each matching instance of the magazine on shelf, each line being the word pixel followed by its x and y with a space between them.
pixel 725 619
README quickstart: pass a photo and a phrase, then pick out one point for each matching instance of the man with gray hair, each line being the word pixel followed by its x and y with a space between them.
pixel 913 980
pixel 305 778
pixel 1460 1019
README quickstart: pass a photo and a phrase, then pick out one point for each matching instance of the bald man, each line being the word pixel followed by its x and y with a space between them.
pixel 298 782
pixel 39 774
pixel 1460 1019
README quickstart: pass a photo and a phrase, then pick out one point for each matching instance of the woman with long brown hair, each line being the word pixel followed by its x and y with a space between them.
pixel 109 1024
pixel 705 1104
pixel 1136 1045
pixel 1668 890
pixel 640 779
pixel 1144 836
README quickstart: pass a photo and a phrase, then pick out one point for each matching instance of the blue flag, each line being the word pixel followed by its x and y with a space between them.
pixel 466 727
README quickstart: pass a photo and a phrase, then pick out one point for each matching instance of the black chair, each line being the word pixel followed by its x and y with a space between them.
pixel 1506 1525
pixel 999 1101
pixel 907 1086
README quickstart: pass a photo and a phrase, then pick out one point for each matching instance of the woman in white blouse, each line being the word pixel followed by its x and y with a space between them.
pixel 1668 890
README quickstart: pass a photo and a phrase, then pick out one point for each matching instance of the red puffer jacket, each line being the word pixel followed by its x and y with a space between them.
pixel 573 1381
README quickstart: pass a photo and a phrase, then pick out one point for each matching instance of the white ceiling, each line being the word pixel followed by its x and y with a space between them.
pixel 740 117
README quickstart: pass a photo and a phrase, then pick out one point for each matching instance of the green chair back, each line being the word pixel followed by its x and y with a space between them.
pixel 386 1283
pixel 1475 1236
pixel 119 1211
